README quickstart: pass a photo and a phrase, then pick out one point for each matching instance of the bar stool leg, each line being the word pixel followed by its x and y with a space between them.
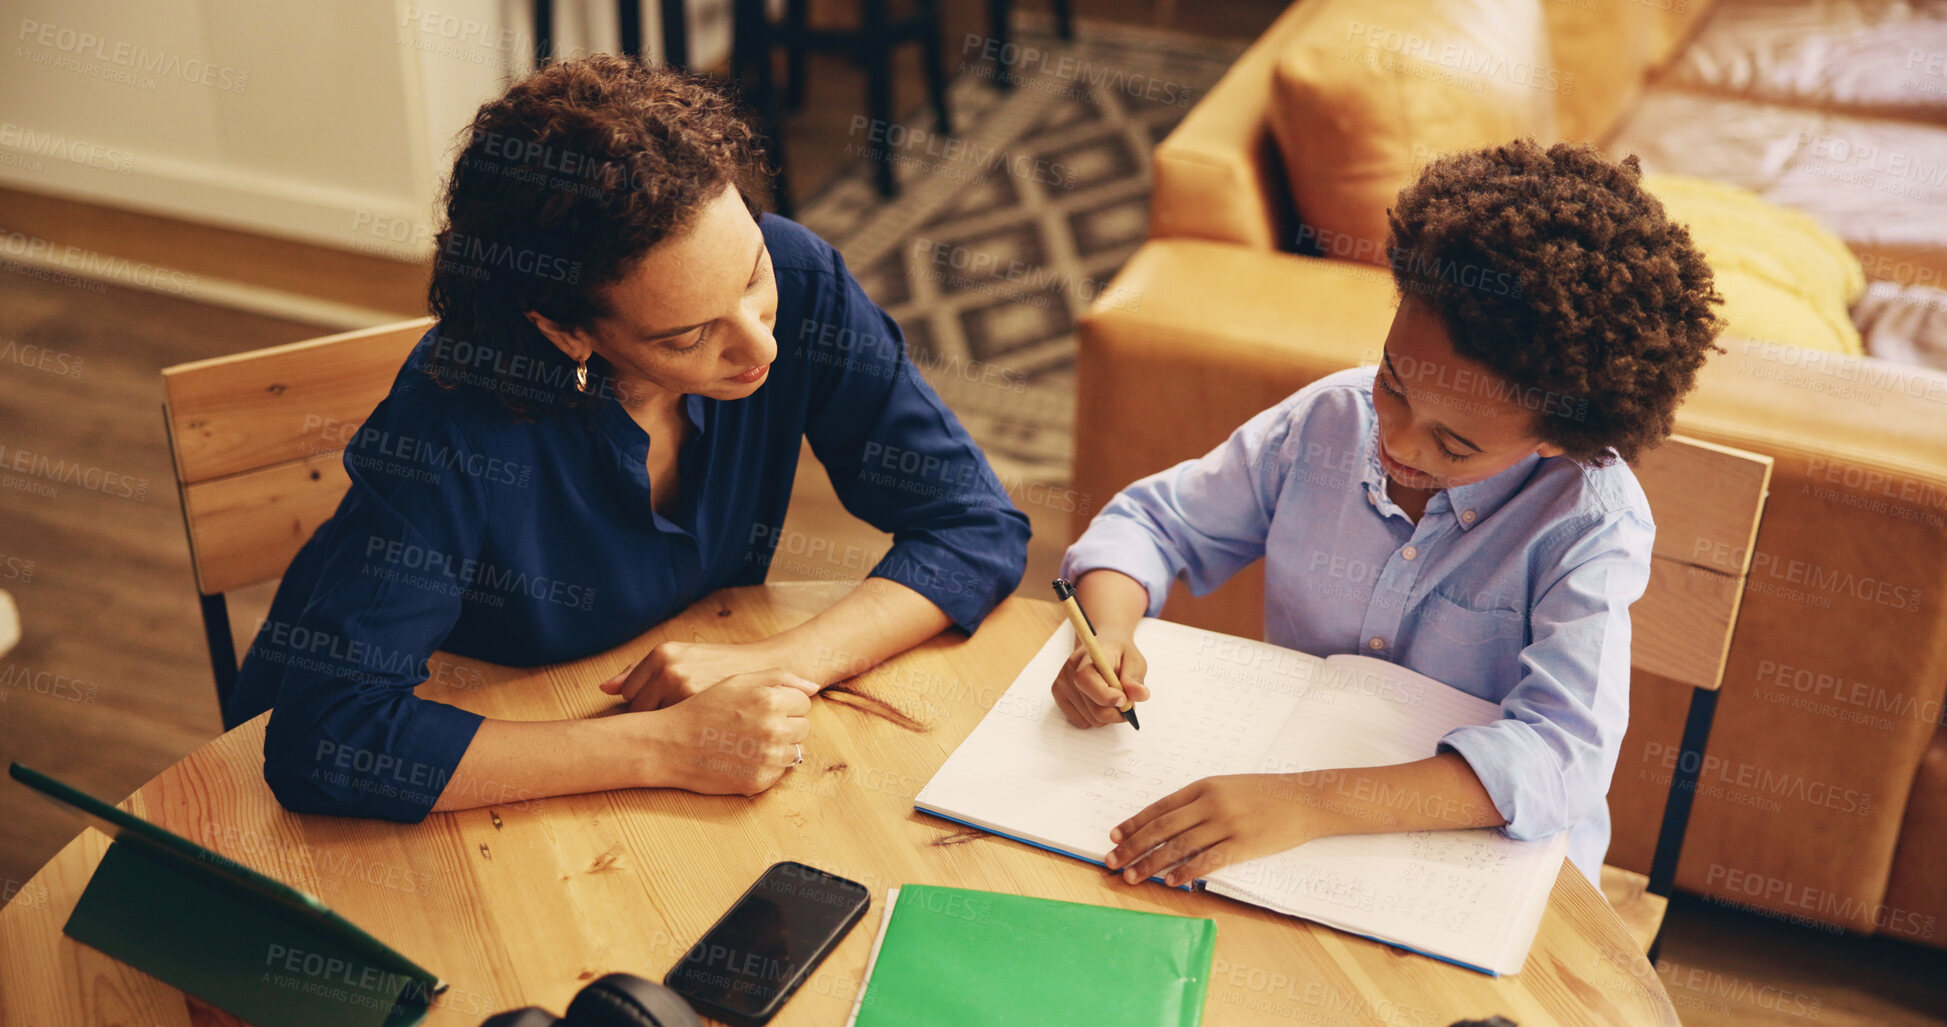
pixel 794 53
pixel 876 49
pixel 543 32
pixel 676 34
pixel 935 74
pixel 750 59
pixel 628 24
pixel 997 38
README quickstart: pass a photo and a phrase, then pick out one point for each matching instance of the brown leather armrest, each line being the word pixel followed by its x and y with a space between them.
pixel 1916 891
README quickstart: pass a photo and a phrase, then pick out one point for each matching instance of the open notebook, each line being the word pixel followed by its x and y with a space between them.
pixel 1224 705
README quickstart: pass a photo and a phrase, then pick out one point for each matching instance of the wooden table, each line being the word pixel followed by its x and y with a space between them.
pixel 526 901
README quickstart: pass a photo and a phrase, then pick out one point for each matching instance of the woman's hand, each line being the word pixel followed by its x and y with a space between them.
pixel 1088 701
pixel 675 671
pixel 737 737
pixel 1212 823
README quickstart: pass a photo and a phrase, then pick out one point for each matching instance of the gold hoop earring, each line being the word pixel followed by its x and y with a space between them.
pixel 581 376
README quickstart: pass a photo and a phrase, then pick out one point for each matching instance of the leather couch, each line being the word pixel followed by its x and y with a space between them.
pixel 1824 796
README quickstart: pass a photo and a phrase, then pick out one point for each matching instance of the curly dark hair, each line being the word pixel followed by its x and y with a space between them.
pixel 560 186
pixel 1557 271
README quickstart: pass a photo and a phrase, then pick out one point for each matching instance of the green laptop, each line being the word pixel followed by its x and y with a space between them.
pixel 243 942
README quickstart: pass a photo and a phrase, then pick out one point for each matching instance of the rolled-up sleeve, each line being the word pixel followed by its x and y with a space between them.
pixel 1202 520
pixel 1548 761
pixel 900 460
pixel 347 736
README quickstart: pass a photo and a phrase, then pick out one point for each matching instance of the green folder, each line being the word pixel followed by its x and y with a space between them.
pixel 949 957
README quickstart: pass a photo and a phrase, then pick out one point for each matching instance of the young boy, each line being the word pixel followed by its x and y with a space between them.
pixel 1463 509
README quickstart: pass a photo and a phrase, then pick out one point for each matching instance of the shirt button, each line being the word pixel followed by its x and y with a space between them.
pixel 1467 517
pixel 1375 642
pixel 1409 552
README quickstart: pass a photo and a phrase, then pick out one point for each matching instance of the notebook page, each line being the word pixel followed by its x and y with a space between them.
pixel 1464 895
pixel 1217 703
pixel 1362 712
pixel 1472 897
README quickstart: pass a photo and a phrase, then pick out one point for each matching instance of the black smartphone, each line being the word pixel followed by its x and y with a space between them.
pixel 750 961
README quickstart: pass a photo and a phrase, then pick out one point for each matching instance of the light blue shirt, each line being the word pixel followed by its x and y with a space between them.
pixel 1515 589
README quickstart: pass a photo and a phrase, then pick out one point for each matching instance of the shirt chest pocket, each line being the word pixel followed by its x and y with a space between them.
pixel 1476 650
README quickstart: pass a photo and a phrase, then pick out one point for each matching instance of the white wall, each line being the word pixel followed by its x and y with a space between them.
pixel 330 122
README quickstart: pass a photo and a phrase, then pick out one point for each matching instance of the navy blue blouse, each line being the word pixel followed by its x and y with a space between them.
pixel 533 541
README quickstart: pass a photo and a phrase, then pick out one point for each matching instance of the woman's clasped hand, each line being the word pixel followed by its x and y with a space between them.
pixel 737 736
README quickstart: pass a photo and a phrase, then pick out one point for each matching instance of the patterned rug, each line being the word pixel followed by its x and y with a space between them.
pixel 1004 233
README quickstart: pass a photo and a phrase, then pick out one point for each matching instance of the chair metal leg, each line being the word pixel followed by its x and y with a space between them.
pixel 223 652
pixel 1683 791
pixel 1676 809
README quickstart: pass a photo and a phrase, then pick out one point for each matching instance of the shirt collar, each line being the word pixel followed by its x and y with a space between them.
pixel 626 433
pixel 1475 503
pixel 1470 504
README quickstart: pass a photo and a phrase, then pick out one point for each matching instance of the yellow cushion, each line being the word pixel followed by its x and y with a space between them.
pixel 1608 47
pixel 1370 90
pixel 1784 277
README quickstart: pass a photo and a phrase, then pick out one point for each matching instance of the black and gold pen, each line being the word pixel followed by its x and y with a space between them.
pixel 1065 592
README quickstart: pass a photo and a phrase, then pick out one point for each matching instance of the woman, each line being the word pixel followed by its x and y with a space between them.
pixel 601 429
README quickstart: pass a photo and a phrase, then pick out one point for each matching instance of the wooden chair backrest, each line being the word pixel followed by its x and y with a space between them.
pixel 258 440
pixel 1707 500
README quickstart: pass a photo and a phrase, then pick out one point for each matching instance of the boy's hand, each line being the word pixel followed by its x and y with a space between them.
pixel 1087 700
pixel 1212 823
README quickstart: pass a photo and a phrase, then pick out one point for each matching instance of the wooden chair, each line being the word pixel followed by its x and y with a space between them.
pixel 1707 500
pixel 257 439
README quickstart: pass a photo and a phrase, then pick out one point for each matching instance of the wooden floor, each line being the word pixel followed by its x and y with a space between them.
pixel 111 681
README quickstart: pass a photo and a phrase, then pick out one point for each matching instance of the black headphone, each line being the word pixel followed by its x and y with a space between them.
pixel 616 1000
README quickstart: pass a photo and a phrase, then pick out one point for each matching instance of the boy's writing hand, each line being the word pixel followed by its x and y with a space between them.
pixel 1209 824
pixel 1087 700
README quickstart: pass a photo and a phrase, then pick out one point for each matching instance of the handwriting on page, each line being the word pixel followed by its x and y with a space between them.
pixel 1451 887
pixel 1462 850
pixel 1419 893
